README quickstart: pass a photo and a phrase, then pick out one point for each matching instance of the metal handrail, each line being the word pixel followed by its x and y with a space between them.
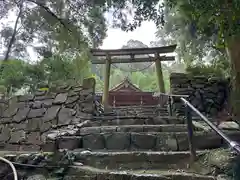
pixel 188 108
pixel 233 144
pixel 15 176
pixel 171 95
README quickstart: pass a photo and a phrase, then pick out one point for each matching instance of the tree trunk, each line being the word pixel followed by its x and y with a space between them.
pixel 12 40
pixel 233 50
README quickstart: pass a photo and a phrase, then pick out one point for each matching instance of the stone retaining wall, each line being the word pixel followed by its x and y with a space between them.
pixel 208 95
pixel 26 120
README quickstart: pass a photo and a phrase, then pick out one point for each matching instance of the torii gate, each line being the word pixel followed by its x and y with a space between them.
pixel 111 57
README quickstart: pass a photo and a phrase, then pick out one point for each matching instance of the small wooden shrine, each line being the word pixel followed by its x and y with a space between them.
pixel 128 94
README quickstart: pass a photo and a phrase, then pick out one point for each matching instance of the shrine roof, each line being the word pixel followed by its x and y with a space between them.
pixel 125 84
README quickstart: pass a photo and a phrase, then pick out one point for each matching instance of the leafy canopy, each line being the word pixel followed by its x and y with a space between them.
pixel 52 26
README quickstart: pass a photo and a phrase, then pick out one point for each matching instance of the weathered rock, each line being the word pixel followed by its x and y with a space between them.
pixel 17 137
pixel 52 135
pixel 28 97
pixel 201 125
pixel 49 146
pixel 83 124
pixel 29 148
pixel 46 103
pixel 12 147
pixel 69 142
pixel 207 140
pixel 5 134
pixel 10 112
pixel 6 120
pixel 229 125
pixel 34 138
pixel 21 115
pixel 89 83
pixel 34 124
pixel 109 129
pixel 223 177
pixel 40 93
pixel 138 128
pixel 38 177
pixel 48 125
pixel 93 141
pixel 90 130
pixel 72 99
pixel 37 104
pixel 36 113
pixel 51 113
pixel 143 141
pixel 48 96
pixel 65 116
pixel 117 141
pixel 166 142
pixel 60 98
pixel 16 127
pixel 220 162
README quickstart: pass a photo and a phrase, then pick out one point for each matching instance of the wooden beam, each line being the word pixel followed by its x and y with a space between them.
pixel 159 74
pixel 133 51
pixel 105 96
pixel 129 60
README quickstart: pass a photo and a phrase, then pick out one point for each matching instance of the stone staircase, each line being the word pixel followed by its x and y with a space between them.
pixel 131 143
pixel 142 147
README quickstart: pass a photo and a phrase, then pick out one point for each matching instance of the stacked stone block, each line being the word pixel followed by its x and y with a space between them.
pixel 208 95
pixel 35 121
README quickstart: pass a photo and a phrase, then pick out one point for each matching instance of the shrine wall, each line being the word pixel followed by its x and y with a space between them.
pixel 208 95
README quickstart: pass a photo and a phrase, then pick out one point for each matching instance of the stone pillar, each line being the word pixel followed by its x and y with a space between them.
pixel 106 83
pixel 159 73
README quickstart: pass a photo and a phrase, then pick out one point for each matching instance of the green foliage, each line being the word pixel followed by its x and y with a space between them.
pixel 208 70
pixel 55 26
pixel 146 81
pixel 13 76
pixel 58 69
pixel 217 67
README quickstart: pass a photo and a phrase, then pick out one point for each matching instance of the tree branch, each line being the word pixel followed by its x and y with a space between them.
pixel 48 10
pixel 11 42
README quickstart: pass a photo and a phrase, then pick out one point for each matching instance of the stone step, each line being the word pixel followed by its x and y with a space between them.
pixel 91 173
pixel 135 128
pixel 135 160
pixel 80 171
pixel 162 141
pixel 148 112
pixel 111 121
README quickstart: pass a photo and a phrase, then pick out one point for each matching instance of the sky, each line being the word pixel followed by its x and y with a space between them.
pixel 116 38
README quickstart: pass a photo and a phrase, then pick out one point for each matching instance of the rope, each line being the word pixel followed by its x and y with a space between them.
pixel 136 70
pixel 12 167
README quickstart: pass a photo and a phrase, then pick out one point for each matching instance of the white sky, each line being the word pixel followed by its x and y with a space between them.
pixel 116 38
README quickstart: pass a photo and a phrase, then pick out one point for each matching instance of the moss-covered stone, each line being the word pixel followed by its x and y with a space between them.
pixel 218 161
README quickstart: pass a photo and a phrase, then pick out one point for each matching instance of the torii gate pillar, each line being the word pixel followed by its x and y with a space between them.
pixel 159 73
pixel 106 83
